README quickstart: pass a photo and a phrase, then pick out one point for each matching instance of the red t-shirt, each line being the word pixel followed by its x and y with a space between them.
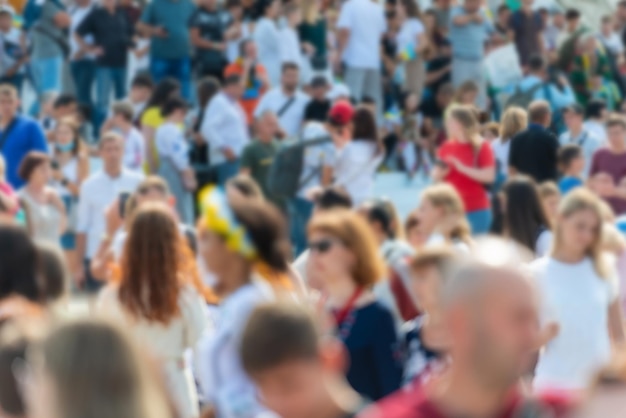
pixel 473 193
pixel 415 404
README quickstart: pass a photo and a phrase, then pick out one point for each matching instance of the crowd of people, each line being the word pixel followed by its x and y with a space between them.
pixel 189 225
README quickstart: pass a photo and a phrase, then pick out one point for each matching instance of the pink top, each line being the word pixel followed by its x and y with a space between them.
pixel 7 190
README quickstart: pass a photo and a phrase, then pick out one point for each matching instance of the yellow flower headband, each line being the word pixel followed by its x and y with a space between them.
pixel 218 217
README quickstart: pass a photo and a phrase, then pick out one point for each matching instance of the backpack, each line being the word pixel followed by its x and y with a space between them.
pixel 522 98
pixel 283 180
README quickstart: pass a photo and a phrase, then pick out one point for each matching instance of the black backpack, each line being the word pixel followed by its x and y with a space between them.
pixel 283 180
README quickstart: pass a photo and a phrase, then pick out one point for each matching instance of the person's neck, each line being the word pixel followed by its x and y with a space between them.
pixel 575 131
pixel 568 256
pixel 234 277
pixel 110 9
pixel 340 291
pixel 265 139
pixel 466 394
pixel 113 172
pixel 289 91
pixel 618 148
pixel 35 189
pixel 570 174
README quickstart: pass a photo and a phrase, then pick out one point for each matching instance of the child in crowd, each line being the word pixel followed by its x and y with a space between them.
pixel 140 92
pixel 572 165
pixel 425 338
pixel 491 131
pixel 298 373
pixel 173 151
pixel 319 106
pixel 121 121
pixel 550 199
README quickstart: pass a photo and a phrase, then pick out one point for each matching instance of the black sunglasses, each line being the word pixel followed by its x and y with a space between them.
pixel 322 246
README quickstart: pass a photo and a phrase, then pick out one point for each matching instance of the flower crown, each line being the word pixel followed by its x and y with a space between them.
pixel 218 217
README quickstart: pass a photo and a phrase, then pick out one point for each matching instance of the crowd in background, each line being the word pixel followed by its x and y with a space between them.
pixel 189 224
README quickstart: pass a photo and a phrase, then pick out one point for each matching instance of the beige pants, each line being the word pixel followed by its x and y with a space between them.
pixel 415 76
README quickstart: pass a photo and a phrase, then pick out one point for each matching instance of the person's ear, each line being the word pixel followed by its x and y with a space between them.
pixel 333 355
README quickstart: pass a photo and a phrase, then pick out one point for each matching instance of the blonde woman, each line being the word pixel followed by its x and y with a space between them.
pixel 441 218
pixel 466 161
pixel 580 295
pixel 514 121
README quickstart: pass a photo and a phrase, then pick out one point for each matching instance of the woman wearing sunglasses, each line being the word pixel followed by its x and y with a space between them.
pixel 234 238
pixel 344 259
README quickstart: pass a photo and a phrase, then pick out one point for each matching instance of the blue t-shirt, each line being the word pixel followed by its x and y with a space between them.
pixel 468 41
pixel 369 335
pixel 25 136
pixel 174 16
pixel 569 183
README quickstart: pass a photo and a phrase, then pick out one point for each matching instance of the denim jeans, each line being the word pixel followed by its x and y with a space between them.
pixel 480 221
pixel 46 77
pixel 225 171
pixel 179 68
pixel 105 77
pixel 84 74
pixel 300 211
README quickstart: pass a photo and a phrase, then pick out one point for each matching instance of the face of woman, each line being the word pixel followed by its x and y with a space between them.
pixel 64 134
pixel 328 260
pixel 429 22
pixel 426 288
pixel 215 253
pixel 41 175
pixel 454 129
pixel 579 230
pixel 551 206
pixel 429 215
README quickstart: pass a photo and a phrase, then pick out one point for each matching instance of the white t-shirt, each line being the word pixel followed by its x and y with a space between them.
pixel 170 143
pixel 293 116
pixel 501 152
pixel 267 38
pixel 355 168
pixel 576 298
pixel 407 36
pixel 290 47
pixel 315 159
pixel 232 46
pixel 596 129
pixel 365 19
pixel 134 150
pixel 544 243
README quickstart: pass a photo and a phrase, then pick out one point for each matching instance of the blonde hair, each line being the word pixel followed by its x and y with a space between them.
pixel 354 233
pixel 514 120
pixel 310 11
pixel 467 117
pixel 579 200
pixel 445 197
pixel 548 189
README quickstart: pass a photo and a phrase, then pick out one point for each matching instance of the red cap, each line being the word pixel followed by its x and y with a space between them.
pixel 341 113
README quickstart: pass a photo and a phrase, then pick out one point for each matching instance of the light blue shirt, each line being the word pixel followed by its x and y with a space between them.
pixel 558 99
pixel 468 41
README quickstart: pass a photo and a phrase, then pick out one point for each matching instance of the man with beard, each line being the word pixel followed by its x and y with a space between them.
pixel 491 314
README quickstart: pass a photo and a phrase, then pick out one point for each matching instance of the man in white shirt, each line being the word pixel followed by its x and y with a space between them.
pixel 225 128
pixel 97 193
pixel 577 134
pixel 596 114
pixel 361 25
pixel 121 121
pixel 82 63
pixel 287 101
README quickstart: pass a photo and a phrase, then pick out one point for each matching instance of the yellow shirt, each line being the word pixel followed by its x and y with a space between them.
pixel 152 118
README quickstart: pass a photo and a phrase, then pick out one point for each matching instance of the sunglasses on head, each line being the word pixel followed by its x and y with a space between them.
pixel 322 246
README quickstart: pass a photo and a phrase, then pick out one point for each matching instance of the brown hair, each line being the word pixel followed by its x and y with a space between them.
pixel 538 111
pixel 492 127
pixel 439 258
pixel 246 185
pixel 411 7
pixel 352 230
pixel 155 183
pixel 71 122
pixel 548 189
pixel 124 109
pixel 466 87
pixel 514 121
pixel 154 265
pixel 30 163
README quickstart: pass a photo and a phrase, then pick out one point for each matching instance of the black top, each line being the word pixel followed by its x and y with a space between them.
pixel 211 24
pixel 112 32
pixel 317 110
pixel 534 152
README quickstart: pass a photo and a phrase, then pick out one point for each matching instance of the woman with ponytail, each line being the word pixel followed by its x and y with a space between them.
pixel 467 162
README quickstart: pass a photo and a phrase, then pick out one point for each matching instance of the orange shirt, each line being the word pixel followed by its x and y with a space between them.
pixel 254 90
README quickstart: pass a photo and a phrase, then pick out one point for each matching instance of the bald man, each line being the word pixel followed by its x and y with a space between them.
pixel 491 314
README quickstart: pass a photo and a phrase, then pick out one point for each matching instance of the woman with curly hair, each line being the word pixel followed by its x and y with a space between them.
pixel 155 300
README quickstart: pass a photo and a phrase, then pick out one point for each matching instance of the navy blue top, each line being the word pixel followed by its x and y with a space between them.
pixel 419 357
pixel 369 335
pixel 25 136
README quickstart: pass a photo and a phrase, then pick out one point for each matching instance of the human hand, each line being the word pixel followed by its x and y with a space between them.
pixel 96 51
pixel 113 218
pixel 159 32
pixel 229 154
pixel 79 274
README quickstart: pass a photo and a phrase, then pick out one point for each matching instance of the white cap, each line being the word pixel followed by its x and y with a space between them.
pixel 7 8
pixel 338 90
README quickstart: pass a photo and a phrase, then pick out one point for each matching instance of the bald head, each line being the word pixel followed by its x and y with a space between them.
pixel 491 310
pixel 266 126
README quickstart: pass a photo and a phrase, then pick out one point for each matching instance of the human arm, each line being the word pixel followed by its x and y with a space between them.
pixel 328 173
pixel 87 27
pixel 458 17
pixel 148 26
pixel 484 175
pixel 561 98
pixel 616 323
pixel 84 223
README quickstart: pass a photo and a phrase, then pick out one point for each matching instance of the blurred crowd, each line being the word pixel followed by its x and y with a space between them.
pixel 190 223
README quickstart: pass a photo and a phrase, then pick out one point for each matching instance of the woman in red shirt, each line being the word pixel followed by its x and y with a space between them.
pixel 467 162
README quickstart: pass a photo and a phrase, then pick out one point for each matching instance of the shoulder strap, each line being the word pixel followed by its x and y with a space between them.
pixel 286 106
pixel 5 134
